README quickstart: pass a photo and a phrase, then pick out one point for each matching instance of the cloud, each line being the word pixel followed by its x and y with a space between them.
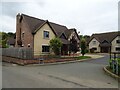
pixel 87 16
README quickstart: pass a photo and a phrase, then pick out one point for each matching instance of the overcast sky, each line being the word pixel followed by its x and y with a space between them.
pixel 87 16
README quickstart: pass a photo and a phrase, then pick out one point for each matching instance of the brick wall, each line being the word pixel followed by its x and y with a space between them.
pixel 23 32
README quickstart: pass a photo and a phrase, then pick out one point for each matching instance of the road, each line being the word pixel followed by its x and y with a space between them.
pixel 88 74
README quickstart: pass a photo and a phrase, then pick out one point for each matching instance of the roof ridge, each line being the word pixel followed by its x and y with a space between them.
pixel 106 32
pixel 58 24
pixel 32 17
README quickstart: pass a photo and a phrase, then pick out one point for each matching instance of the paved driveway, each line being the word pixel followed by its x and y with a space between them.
pixel 88 74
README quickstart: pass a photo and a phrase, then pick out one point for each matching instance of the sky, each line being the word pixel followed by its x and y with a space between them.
pixel 87 16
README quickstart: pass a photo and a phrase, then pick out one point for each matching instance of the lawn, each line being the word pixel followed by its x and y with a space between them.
pixel 82 57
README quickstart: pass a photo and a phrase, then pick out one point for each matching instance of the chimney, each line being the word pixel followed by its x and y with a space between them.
pixel 18 29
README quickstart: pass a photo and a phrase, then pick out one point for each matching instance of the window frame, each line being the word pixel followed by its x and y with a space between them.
pixel 45 34
pixel 44 50
pixel 94 42
pixel 117 48
pixel 118 41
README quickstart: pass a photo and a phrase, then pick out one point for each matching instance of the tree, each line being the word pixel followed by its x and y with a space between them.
pixel 83 47
pixel 3 39
pixel 56 45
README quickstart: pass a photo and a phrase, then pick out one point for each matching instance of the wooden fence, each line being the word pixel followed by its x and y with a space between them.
pixel 21 53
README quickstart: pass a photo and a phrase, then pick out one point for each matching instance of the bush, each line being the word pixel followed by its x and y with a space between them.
pixel 56 45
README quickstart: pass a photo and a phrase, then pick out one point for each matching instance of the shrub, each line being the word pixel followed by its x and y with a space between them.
pixel 56 45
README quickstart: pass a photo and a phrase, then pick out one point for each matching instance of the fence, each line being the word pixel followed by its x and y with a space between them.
pixel 115 62
pixel 22 53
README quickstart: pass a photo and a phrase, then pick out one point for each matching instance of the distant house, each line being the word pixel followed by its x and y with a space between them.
pixel 11 42
pixel 105 42
pixel 36 33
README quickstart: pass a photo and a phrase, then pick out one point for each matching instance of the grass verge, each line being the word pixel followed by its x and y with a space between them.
pixel 82 57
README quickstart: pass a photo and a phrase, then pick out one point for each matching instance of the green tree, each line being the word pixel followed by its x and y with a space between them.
pixel 83 46
pixel 56 45
pixel 3 39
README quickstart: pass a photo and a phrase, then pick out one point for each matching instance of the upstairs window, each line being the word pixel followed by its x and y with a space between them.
pixel 46 34
pixel 94 42
pixel 118 41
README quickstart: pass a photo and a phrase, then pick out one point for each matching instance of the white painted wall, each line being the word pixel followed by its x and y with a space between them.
pixel 91 45
pixel 114 44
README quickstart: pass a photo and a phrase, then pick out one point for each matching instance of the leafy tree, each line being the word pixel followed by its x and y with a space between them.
pixel 4 37
pixel 10 34
pixel 56 45
pixel 83 47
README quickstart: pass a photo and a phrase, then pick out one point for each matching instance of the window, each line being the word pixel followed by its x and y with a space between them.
pixel 118 41
pixel 117 48
pixel 94 48
pixel 94 42
pixel 45 48
pixel 46 34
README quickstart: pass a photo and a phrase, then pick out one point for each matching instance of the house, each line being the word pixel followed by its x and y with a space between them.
pixel 105 42
pixel 11 42
pixel 36 33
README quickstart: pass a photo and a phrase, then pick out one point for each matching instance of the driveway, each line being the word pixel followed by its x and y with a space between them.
pixel 88 74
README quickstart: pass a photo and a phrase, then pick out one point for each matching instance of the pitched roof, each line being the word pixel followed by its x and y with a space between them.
pixel 71 31
pixel 35 23
pixel 11 41
pixel 109 36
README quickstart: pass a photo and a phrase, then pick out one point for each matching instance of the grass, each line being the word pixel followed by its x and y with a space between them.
pixel 109 69
pixel 82 57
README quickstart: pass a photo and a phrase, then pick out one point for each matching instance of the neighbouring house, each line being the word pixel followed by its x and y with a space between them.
pixel 11 42
pixel 36 33
pixel 105 42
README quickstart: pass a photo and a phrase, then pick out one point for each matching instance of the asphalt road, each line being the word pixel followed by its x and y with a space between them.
pixel 88 74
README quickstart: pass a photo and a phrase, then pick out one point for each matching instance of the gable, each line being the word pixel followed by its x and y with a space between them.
pixel 93 41
pixel 116 38
pixel 105 41
pixel 63 36
pixel 75 36
pixel 45 27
